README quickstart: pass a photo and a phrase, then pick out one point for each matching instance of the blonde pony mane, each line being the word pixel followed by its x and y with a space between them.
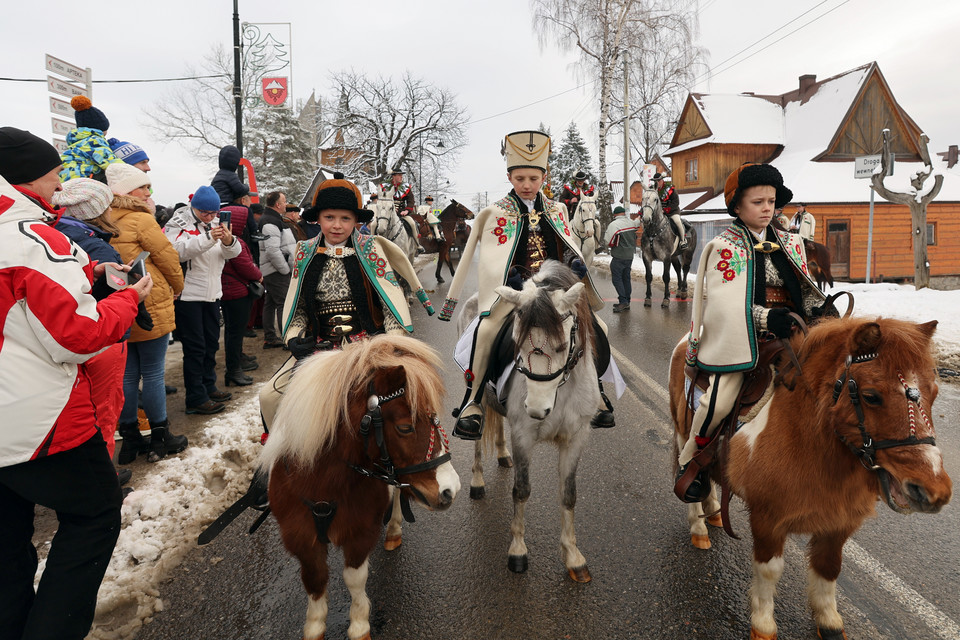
pixel 317 400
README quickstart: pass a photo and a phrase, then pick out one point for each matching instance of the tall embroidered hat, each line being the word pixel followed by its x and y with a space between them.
pixel 526 150
pixel 751 174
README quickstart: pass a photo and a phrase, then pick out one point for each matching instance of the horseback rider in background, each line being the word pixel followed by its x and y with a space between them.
pixel 428 213
pixel 670 202
pixel 572 193
pixel 404 203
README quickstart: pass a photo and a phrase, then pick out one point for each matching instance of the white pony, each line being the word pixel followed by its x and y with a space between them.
pixel 553 340
pixel 386 223
pixel 586 226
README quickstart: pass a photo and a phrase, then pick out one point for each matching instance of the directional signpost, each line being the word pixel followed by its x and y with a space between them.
pixel 79 82
pixel 863 167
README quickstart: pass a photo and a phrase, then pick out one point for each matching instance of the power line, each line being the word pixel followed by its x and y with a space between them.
pixel 218 75
pixel 502 113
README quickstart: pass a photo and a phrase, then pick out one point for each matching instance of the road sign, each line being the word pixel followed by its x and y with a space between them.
pixel 60 108
pixel 58 86
pixel 65 69
pixel 60 145
pixel 61 127
pixel 863 166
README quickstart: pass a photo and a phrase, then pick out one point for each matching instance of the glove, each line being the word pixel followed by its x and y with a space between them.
pixel 514 281
pixel 579 268
pixel 143 319
pixel 100 289
pixel 302 347
pixel 780 323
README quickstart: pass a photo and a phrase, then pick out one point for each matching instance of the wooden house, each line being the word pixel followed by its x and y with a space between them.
pixel 813 134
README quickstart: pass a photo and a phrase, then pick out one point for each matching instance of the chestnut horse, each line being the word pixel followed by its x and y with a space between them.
pixel 449 218
pixel 856 426
pixel 354 429
pixel 818 259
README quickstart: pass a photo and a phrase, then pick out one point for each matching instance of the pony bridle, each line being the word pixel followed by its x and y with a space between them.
pixel 372 422
pixel 866 452
pixel 573 356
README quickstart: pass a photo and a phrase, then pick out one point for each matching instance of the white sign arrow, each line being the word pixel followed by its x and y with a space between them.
pixel 61 127
pixel 60 108
pixel 60 145
pixel 65 69
pixel 58 86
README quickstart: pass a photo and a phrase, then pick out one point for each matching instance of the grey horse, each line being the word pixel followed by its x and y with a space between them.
pixel 660 242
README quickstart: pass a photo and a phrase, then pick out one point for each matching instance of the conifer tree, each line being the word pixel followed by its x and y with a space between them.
pixel 572 155
pixel 279 150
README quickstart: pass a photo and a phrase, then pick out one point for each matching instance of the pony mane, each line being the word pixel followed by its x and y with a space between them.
pixel 316 403
pixel 540 312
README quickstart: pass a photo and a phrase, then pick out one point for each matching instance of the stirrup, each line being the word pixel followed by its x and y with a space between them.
pixel 469 427
pixel 695 489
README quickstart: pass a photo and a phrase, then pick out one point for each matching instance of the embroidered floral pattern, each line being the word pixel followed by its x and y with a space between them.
pixel 446 312
pixel 424 300
pixel 795 251
pixel 505 229
pixel 731 262
pixel 732 236
pixel 391 277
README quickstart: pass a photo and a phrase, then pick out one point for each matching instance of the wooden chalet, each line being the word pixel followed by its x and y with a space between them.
pixel 812 135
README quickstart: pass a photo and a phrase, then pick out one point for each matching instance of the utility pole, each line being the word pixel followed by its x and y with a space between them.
pixel 237 90
pixel 626 132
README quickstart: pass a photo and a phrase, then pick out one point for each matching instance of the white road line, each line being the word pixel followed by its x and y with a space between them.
pixel 939 622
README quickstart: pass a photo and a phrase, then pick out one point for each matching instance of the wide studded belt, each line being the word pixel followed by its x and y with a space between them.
pixel 338 306
pixel 778 297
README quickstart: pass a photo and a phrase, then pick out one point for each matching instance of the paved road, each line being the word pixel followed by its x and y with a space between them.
pixel 450 580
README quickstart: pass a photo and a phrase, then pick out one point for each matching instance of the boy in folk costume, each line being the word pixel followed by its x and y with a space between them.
pixel 515 235
pixel 572 193
pixel 404 203
pixel 670 202
pixel 750 278
pixel 433 222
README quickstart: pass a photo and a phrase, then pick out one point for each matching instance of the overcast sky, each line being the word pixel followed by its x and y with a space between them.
pixel 485 51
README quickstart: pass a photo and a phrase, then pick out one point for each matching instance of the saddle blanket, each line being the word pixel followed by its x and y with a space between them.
pixel 463 352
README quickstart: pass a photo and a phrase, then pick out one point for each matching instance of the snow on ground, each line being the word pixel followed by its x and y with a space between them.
pixel 170 507
pixel 881 299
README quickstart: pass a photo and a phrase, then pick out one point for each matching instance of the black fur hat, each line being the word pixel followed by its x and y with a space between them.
pixel 337 193
pixel 753 175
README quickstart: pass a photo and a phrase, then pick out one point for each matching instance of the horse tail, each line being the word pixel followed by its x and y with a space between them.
pixel 494 427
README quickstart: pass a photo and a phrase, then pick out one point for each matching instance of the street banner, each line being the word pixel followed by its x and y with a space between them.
pixel 274 91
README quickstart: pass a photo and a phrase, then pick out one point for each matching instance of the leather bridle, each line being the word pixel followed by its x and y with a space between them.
pixel 573 357
pixel 868 448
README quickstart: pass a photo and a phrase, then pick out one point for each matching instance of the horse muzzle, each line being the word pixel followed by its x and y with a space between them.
pixel 909 496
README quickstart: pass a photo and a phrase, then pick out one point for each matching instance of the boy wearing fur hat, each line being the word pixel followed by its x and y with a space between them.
pixel 88 153
pixel 756 276
pixel 343 287
pixel 515 236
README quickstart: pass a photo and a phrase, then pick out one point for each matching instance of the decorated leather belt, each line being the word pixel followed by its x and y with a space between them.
pixel 339 306
pixel 778 297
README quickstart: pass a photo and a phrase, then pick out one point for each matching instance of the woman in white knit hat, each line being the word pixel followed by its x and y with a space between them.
pixel 147 349
pixel 85 219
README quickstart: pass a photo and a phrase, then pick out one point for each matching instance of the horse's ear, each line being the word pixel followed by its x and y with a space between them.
pixel 509 294
pixel 571 295
pixel 865 339
pixel 927 328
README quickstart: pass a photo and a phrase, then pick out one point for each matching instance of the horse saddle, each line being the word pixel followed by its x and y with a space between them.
pixel 755 382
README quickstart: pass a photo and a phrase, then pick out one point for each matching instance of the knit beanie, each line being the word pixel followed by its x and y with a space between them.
pixel 88 115
pixel 24 157
pixel 205 199
pixel 83 198
pixel 124 178
pixel 127 151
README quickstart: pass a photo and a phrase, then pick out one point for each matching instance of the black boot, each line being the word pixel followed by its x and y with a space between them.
pixel 237 378
pixel 604 418
pixel 163 442
pixel 699 487
pixel 133 443
pixel 469 427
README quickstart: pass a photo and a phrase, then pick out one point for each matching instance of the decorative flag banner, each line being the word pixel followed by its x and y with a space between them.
pixel 274 91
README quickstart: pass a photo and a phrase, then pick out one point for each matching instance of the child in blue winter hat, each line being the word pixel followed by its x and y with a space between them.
pixel 88 153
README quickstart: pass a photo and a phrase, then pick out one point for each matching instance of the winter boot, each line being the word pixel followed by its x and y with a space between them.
pixel 163 442
pixel 133 443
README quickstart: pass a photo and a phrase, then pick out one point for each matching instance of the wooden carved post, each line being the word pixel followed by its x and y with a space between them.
pixel 917 200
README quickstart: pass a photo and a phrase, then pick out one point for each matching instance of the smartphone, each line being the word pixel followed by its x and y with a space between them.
pixel 225 217
pixel 139 268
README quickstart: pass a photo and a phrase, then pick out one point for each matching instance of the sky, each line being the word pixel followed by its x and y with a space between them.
pixel 487 53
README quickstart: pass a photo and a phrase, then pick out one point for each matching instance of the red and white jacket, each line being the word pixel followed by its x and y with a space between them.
pixel 49 325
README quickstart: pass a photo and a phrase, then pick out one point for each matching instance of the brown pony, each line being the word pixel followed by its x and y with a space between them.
pixel 355 429
pixel 857 425
pixel 450 217
pixel 818 259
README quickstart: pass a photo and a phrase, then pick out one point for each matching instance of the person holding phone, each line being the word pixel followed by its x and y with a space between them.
pixel 147 345
pixel 204 246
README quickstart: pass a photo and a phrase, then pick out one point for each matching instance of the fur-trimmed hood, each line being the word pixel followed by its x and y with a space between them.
pixel 131 203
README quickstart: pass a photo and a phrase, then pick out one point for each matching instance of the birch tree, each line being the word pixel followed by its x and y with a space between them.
pixel 603 31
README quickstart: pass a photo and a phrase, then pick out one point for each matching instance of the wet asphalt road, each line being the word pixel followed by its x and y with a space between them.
pixel 450 579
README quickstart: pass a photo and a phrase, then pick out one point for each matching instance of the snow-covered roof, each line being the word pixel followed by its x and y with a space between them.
pixel 742 119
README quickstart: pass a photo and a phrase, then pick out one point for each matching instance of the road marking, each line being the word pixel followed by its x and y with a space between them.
pixel 938 621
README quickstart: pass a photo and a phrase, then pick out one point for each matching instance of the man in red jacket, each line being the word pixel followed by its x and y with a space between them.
pixel 53 317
